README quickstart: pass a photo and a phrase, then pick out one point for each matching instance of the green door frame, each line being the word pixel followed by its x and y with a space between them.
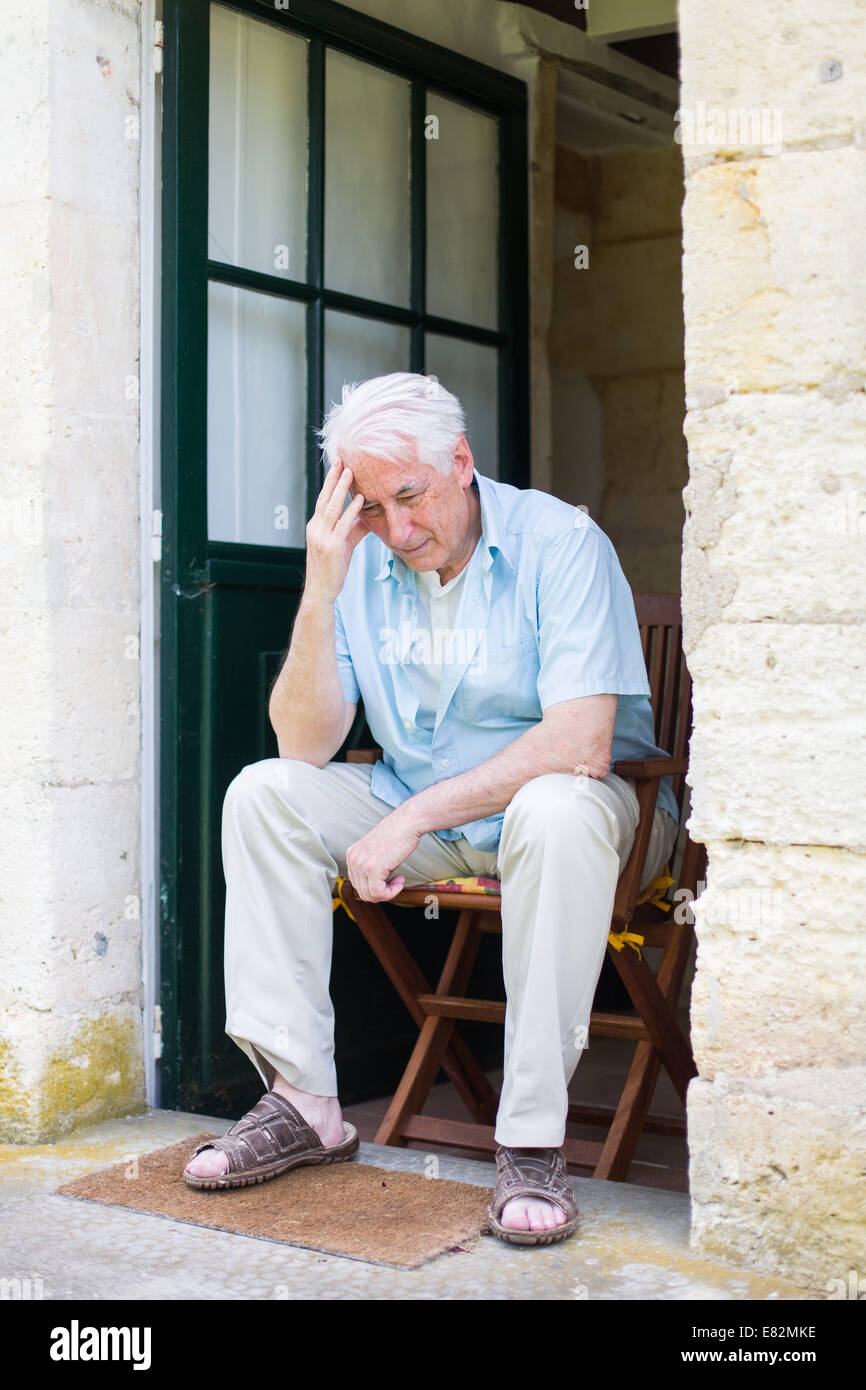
pixel 193 566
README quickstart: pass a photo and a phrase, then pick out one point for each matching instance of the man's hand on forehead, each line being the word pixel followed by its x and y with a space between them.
pixel 332 533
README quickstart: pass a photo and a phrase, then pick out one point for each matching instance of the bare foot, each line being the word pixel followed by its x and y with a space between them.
pixel 531 1214
pixel 535 1212
pixel 322 1114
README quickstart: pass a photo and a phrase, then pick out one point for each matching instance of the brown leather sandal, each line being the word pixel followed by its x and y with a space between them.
pixel 532 1173
pixel 270 1139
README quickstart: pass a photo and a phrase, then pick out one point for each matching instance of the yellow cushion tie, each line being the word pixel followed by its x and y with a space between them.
pixel 338 901
pixel 626 938
pixel 655 891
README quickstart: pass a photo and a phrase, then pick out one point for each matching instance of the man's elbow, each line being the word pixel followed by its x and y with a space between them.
pixel 587 758
pixel 592 765
pixel 576 748
pixel 316 752
pixel 303 750
pixel 303 755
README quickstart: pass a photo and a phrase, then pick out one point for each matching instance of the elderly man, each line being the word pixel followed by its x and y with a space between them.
pixel 492 636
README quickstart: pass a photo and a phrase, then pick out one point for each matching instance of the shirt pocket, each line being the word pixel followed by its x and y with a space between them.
pixel 500 686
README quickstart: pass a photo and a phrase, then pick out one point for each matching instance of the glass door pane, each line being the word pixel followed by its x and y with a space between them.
pixel 257 385
pixel 358 348
pixel 462 213
pixel 257 148
pixel 366 180
pixel 470 371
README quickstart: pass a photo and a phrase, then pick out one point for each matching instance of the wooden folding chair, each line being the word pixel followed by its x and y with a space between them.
pixel 653 1026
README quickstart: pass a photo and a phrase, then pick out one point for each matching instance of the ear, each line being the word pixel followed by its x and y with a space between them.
pixel 464 464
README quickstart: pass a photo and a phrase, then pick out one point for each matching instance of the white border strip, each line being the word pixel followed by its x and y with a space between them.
pixel 149 493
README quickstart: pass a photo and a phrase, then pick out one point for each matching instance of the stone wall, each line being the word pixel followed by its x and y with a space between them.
pixel 70 1010
pixel 616 350
pixel 775 628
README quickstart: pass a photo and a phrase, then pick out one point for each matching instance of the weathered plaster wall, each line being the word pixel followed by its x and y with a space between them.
pixel 774 589
pixel 616 349
pixel 70 1025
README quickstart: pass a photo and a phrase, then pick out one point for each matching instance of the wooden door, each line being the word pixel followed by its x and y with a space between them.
pixel 340 200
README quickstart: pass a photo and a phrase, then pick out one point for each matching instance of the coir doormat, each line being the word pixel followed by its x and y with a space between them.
pixel 351 1209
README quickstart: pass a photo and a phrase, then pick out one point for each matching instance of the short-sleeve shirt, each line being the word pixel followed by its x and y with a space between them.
pixel 545 614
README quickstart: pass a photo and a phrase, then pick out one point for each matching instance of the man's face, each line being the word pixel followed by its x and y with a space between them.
pixel 422 516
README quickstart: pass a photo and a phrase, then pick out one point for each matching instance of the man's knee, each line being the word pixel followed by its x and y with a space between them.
pixel 270 776
pixel 557 799
pixel 539 793
pixel 564 815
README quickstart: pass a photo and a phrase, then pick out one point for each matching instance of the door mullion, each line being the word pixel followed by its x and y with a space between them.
pixel 418 220
pixel 315 265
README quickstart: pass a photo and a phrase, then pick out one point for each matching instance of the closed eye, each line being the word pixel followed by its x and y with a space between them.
pixel 403 497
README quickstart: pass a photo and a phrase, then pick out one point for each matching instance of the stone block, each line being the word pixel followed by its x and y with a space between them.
pixel 95 323
pixel 750 59
pixel 78 671
pixel 25 81
pixel 646 531
pixel 573 182
pixel 622 314
pixel 60 1073
pixel 25 347
pixel 779 982
pixel 73 921
pixel 774 298
pixel 777 498
pixel 644 446
pixel 639 194
pixel 778 751
pixel 96 75
pixel 776 1172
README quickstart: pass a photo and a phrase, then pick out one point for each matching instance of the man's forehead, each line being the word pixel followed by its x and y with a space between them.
pixel 379 479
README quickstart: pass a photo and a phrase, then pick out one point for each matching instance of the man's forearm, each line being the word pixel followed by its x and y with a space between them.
pixel 488 789
pixel 307 707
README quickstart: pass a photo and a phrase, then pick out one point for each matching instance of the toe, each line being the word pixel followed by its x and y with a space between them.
pixel 555 1216
pixel 210 1163
pixel 531 1214
pixel 543 1216
pixel 514 1215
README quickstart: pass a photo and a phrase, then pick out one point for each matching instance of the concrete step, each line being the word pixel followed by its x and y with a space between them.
pixel 633 1242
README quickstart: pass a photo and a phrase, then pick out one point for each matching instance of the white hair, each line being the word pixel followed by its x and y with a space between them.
pixel 390 416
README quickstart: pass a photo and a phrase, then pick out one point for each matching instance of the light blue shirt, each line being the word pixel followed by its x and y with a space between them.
pixel 545 614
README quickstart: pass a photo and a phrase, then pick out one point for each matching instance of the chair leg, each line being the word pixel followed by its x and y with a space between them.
pixel 436 1034
pixel 458 1062
pixel 470 1081
pixel 631 1112
pixel 665 1033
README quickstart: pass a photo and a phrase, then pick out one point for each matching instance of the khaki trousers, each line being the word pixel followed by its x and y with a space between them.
pixel 565 840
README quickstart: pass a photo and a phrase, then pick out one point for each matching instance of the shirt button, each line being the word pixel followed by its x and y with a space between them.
pixel 407 723
pixel 445 762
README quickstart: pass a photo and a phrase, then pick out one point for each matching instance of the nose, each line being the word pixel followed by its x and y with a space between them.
pixel 401 529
